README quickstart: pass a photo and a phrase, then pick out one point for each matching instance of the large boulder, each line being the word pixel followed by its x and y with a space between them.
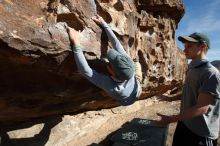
pixel 38 75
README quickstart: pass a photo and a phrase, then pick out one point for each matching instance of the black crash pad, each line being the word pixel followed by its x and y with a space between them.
pixel 140 132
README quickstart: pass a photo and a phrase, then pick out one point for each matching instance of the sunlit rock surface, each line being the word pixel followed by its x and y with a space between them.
pixel 38 75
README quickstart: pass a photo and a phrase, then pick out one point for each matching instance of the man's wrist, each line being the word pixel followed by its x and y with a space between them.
pixel 174 118
pixel 104 24
pixel 77 46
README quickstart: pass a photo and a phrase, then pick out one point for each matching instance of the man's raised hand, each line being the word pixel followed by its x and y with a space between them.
pixel 74 36
pixel 98 19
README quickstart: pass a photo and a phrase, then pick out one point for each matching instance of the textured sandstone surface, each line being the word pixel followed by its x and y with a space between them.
pixel 85 128
pixel 38 75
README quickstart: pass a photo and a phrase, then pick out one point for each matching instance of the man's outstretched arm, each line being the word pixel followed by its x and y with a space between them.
pixel 170 98
pixel 100 80
pixel 202 106
pixel 111 36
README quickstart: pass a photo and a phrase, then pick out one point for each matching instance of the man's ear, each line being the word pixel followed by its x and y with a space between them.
pixel 204 47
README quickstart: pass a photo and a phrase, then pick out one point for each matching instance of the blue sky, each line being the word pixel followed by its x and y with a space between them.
pixel 202 16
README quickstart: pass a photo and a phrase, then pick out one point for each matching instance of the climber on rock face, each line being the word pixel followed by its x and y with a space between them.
pixel 124 83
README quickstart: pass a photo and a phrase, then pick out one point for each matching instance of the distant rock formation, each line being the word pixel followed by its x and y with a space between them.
pixel 38 75
pixel 216 63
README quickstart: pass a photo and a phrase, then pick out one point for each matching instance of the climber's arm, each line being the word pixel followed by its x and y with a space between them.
pixel 111 36
pixel 100 80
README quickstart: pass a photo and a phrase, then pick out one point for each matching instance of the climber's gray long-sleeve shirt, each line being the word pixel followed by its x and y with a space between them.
pixel 124 92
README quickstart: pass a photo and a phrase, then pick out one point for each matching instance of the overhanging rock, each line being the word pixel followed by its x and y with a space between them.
pixel 38 75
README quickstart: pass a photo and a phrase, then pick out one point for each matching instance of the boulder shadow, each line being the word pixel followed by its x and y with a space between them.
pixel 39 139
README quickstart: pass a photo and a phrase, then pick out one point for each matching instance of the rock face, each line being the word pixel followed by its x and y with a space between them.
pixel 216 63
pixel 38 75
